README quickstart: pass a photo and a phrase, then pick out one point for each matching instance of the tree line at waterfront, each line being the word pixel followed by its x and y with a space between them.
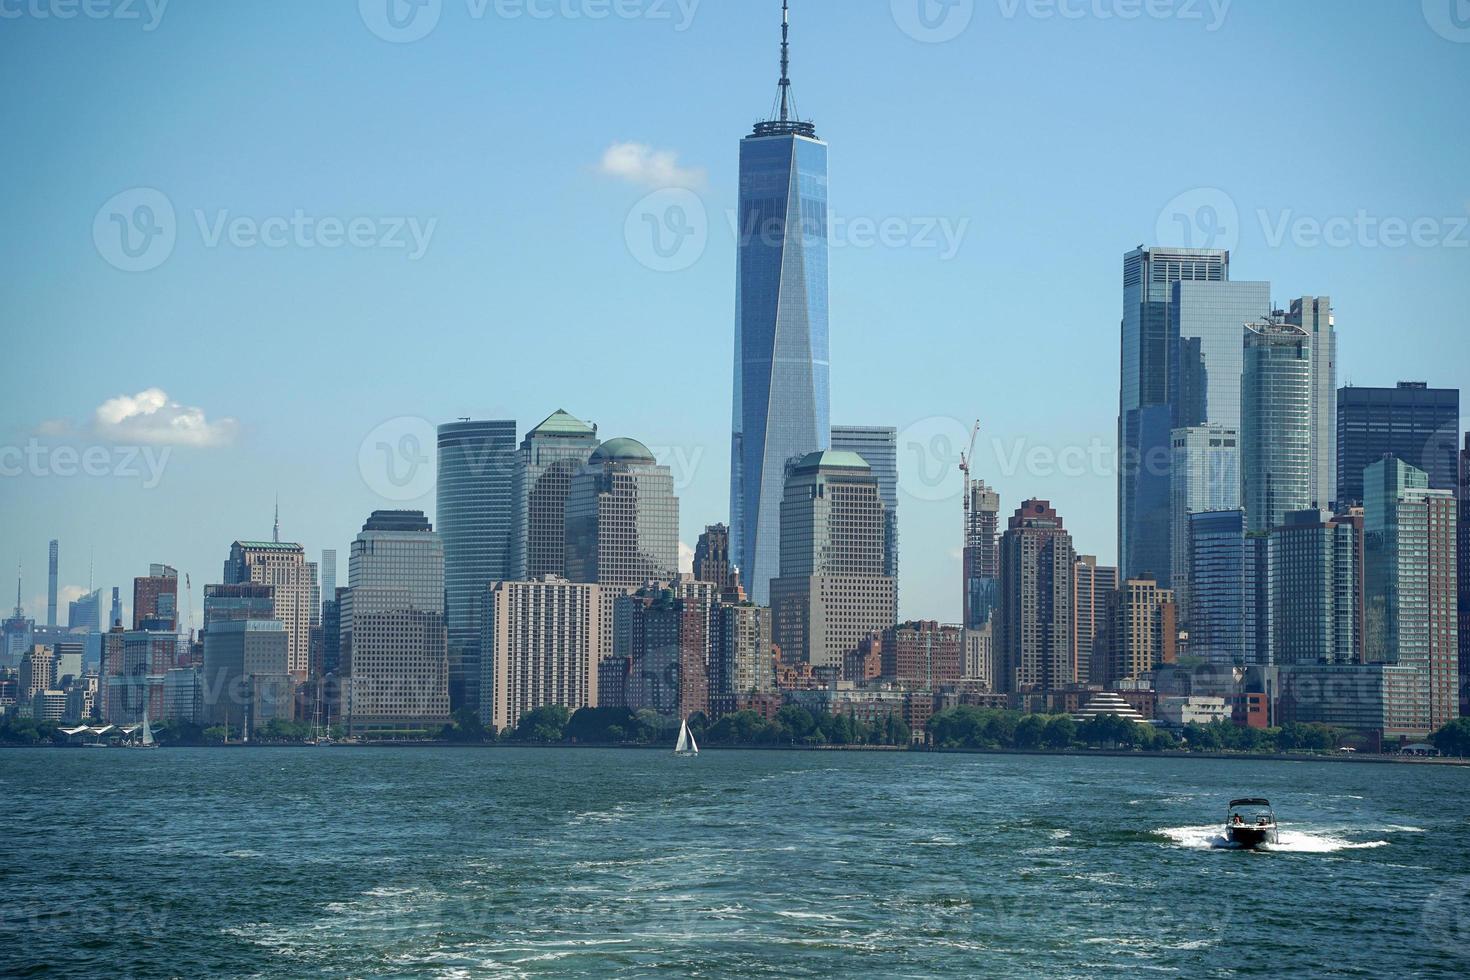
pixel 794 726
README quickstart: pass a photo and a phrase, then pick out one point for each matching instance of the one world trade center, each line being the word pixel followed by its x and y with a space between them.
pixel 782 385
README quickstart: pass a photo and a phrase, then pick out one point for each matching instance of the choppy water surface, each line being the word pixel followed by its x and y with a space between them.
pixel 442 862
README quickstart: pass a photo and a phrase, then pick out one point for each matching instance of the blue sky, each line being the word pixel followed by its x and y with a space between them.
pixel 1045 140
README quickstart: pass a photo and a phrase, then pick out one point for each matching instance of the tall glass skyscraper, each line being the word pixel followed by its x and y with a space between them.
pixel 782 367
pixel 476 509
pixel 1276 423
pixel 1223 585
pixel 1205 477
pixel 1205 320
pixel 1145 412
pixel 1412 422
pixel 1314 315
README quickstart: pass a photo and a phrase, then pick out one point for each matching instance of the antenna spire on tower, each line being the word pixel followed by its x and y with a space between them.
pixel 785 59
pixel 276 531
pixel 19 612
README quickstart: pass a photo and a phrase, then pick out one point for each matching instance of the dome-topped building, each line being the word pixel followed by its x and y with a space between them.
pixel 622 518
pixel 629 451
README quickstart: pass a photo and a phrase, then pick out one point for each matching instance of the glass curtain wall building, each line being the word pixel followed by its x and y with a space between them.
pixel 1223 577
pixel 1276 423
pixel 782 364
pixel 476 509
pixel 1145 413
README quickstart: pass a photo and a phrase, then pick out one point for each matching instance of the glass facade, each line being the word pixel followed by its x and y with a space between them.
pixel 475 512
pixel 1145 415
pixel 1315 570
pixel 1412 422
pixel 622 518
pixel 1205 476
pixel 1223 589
pixel 1206 319
pixel 1276 421
pixel 782 366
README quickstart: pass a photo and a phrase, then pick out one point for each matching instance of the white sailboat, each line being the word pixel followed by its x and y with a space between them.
pixel 686 744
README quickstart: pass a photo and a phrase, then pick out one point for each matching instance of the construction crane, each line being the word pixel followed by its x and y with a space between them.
pixel 189 598
pixel 966 459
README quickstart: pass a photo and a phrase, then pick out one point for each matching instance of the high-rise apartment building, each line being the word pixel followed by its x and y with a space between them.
pixel 980 560
pixel 741 659
pixel 832 590
pixel 551 455
pixel 1034 645
pixel 1140 635
pixel 295 594
pixel 923 654
pixel 1314 315
pixel 476 514
pixel 395 645
pixel 1276 423
pixel 1316 588
pixel 668 641
pixel 1412 422
pixel 541 645
pixel 156 599
pixel 1091 585
pixel 1146 408
pixel 1463 576
pixel 878 446
pixel 1205 477
pixel 51 577
pixel 328 574
pixel 1410 555
pixel 782 395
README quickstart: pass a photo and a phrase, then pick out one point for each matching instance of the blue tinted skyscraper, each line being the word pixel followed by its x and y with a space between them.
pixel 1276 423
pixel 476 509
pixel 781 392
pixel 1223 585
pixel 1145 412
pixel 1205 323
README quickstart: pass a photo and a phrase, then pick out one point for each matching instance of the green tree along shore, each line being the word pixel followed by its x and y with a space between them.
pixel 793 726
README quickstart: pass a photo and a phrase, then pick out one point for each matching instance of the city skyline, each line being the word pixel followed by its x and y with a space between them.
pixel 245 450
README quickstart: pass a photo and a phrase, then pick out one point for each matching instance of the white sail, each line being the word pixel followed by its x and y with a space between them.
pixel 685 745
pixel 147 729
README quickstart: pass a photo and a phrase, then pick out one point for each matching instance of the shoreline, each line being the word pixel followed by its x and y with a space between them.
pixel 892 749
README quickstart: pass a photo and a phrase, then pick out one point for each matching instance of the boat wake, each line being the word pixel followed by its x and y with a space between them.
pixel 1212 837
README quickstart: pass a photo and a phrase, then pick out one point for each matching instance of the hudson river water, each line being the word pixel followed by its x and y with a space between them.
pixel 453 863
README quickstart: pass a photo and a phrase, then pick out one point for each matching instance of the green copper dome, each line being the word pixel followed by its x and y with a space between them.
pixel 622 451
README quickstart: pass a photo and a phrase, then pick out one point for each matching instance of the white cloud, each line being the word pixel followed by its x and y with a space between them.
pixel 641 164
pixel 686 558
pixel 150 418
